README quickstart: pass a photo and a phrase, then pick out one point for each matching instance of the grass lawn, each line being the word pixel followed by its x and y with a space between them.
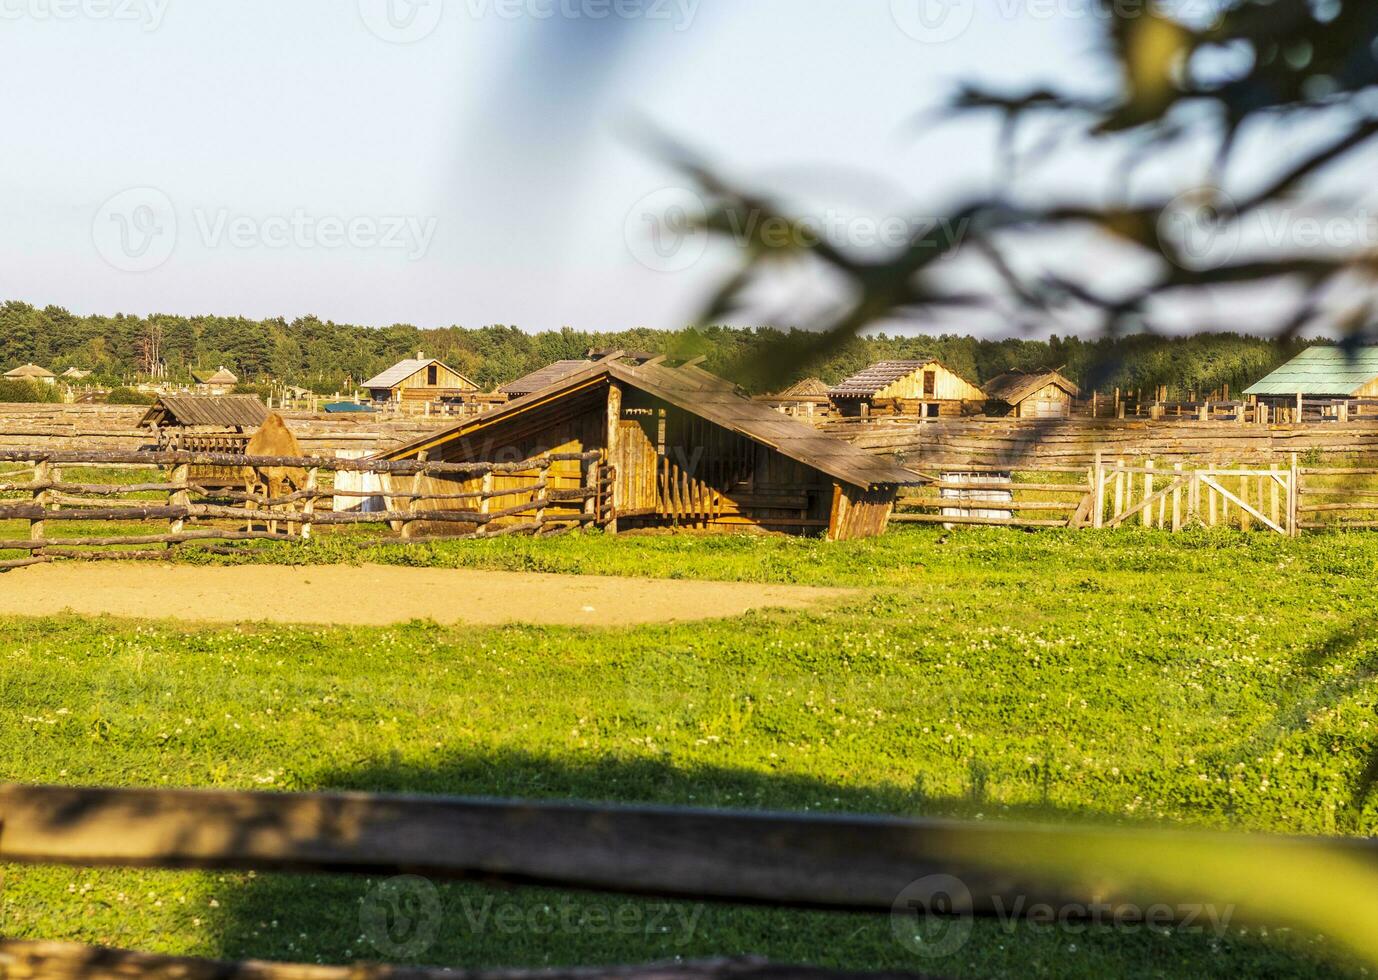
pixel 1212 679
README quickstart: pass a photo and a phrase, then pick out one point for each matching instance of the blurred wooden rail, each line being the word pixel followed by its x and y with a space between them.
pixel 827 861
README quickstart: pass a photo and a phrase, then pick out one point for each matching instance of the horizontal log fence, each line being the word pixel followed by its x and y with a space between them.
pixel 859 863
pixel 524 496
pixel 1284 499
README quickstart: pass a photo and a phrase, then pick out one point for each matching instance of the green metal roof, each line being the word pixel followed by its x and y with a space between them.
pixel 1321 371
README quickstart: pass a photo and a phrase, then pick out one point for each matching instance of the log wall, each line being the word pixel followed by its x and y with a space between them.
pixel 116 427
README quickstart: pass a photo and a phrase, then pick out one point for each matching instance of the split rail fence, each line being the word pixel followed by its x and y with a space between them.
pixel 178 507
pixel 859 863
pixel 1283 499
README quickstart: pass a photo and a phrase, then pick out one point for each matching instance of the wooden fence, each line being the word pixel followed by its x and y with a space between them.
pixel 174 510
pixel 1114 493
pixel 859 863
pixel 1031 443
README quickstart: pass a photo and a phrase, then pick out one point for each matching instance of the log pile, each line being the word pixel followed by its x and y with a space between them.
pixel 955 443
pixel 117 427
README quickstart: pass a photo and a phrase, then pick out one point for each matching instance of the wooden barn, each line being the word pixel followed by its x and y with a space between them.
pixel 688 449
pixel 205 424
pixel 1030 395
pixel 419 379
pixel 922 389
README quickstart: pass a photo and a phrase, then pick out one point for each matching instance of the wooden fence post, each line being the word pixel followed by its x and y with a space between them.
pixel 179 496
pixel 42 475
pixel 1177 498
pixel 1148 492
pixel 1293 496
pixel 485 502
pixel 417 483
pixel 544 484
pixel 308 509
pixel 1098 480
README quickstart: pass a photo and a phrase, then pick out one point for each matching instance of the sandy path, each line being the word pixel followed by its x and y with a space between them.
pixel 376 595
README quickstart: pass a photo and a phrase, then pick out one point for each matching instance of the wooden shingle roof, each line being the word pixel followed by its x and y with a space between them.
pixel 543 378
pixel 1321 371
pixel 877 377
pixel 1013 387
pixel 712 398
pixel 219 412
pixel 29 371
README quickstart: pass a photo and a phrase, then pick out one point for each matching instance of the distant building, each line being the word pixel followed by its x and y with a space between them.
pixel 74 374
pixel 31 372
pixel 1322 372
pixel 1030 395
pixel 924 389
pixel 418 379
pixel 543 378
pixel 220 382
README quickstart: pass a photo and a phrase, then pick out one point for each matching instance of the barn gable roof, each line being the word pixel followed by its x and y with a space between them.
pixel 404 369
pixel 223 411
pixel 224 376
pixel 1335 371
pixel 1013 387
pixel 543 378
pixel 29 371
pixel 874 379
pixel 808 388
pixel 710 397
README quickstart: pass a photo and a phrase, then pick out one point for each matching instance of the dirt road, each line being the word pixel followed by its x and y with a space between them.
pixel 379 595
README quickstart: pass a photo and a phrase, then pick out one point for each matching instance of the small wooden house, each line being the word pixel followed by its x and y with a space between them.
pixel 1030 395
pixel 920 389
pixel 31 372
pixel 219 382
pixel 803 399
pixel 687 449
pixel 418 379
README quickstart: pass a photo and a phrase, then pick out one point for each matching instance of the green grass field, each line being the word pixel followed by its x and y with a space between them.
pixel 1210 679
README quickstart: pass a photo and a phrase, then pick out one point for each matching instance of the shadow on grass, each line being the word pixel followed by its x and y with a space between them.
pixel 344 919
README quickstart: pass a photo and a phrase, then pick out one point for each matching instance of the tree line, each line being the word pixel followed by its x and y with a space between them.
pixel 328 357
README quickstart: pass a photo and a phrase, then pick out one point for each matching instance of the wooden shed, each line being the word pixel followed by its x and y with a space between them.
pixel 922 389
pixel 419 379
pixel 1030 395
pixel 205 424
pixel 688 449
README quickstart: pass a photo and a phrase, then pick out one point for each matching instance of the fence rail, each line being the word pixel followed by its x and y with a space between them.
pixel 480 499
pixel 1284 499
pixel 837 861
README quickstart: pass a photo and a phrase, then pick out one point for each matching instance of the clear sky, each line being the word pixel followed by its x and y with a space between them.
pixel 468 161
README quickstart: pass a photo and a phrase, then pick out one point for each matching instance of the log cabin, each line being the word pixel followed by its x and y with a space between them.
pixel 1030 395
pixel 921 389
pixel 687 450
pixel 418 379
